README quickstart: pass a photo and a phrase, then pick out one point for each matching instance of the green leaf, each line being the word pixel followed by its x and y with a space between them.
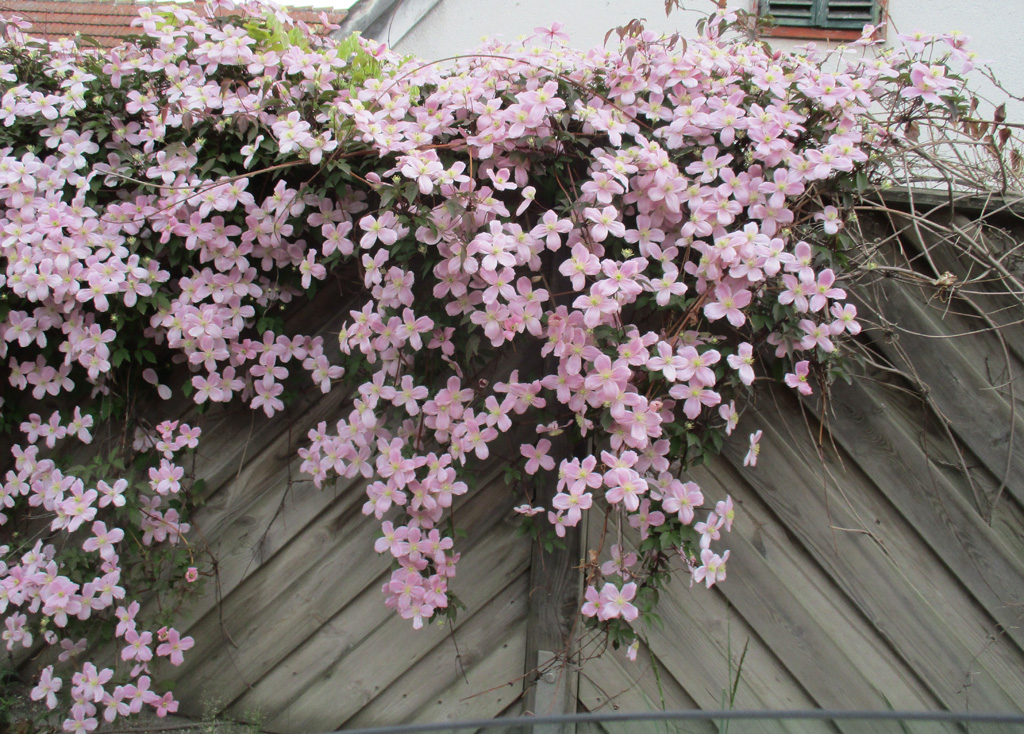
pixel 472 346
pixel 654 620
pixel 861 182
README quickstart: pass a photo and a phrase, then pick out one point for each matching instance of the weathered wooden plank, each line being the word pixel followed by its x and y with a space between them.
pixel 881 563
pixel 553 606
pixel 800 613
pixel 246 541
pixel 246 545
pixel 279 601
pixel 816 635
pixel 357 675
pixel 696 646
pixel 700 645
pixel 247 453
pixel 307 582
pixel 955 324
pixel 315 655
pixel 251 493
pixel 964 474
pixel 495 688
pixel 957 381
pixel 554 578
pixel 243 542
pixel 234 435
pixel 253 455
pixel 985 299
pixel 243 454
pixel 452 680
pixel 925 200
pixel 613 684
pixel 876 430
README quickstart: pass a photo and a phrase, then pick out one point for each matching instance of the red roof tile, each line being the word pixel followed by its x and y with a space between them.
pixel 109 22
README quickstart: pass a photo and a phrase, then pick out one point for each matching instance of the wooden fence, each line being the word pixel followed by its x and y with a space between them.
pixel 877 556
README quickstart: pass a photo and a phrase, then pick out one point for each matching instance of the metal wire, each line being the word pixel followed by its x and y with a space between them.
pixel 1016 720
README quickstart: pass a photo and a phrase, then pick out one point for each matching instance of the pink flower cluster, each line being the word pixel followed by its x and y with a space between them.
pixel 36 584
pixel 621 216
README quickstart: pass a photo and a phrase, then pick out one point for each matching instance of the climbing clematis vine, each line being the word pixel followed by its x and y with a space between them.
pixel 533 246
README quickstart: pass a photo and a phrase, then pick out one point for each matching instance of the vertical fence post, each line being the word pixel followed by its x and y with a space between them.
pixel 552 680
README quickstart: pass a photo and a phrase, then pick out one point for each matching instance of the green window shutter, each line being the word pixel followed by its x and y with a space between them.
pixel 791 12
pixel 852 14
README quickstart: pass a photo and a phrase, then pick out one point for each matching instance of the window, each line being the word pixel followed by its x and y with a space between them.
pixel 850 15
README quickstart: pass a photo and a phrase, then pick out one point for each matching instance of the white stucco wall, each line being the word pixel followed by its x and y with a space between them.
pixel 458 25
pixel 996 27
